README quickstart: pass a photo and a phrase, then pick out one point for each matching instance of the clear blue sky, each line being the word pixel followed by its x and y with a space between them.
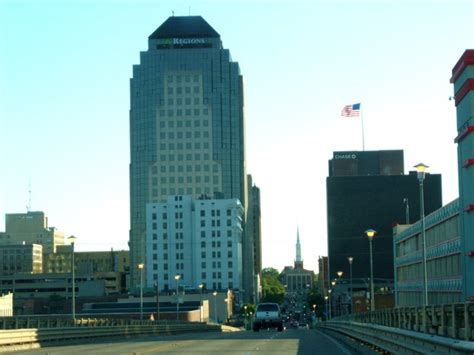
pixel 64 99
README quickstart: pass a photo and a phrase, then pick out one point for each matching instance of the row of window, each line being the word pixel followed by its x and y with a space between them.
pixel 184 146
pixel 189 191
pixel 181 135
pixel 186 112
pixel 178 78
pixel 187 157
pixel 188 179
pixel 189 168
pixel 178 90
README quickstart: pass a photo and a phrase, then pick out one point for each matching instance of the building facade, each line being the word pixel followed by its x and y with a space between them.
pixel 443 259
pixel 186 123
pixel 31 228
pixel 20 259
pixel 463 81
pixel 199 240
pixel 111 266
pixel 367 190
pixel 6 304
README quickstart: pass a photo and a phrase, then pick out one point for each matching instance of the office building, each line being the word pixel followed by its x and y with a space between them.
pixel 31 228
pixel 199 240
pixel 111 266
pixel 20 259
pixel 186 125
pixel 367 190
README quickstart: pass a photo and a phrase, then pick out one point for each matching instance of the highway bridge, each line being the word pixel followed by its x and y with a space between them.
pixel 415 330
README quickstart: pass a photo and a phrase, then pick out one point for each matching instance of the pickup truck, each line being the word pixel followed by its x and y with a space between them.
pixel 267 315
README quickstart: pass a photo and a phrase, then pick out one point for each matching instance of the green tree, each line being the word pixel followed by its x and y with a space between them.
pixel 273 290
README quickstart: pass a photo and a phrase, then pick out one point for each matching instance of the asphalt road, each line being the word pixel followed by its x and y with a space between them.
pixel 297 341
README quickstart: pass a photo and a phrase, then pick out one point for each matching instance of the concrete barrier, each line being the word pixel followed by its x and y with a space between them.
pixel 34 338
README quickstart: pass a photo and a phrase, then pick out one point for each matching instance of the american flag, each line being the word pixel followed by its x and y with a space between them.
pixel 351 110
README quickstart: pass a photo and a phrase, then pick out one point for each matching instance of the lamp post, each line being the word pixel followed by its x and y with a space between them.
pixel 339 275
pixel 420 168
pixel 226 300
pixel 329 301
pixel 177 278
pixel 157 301
pixel 201 286
pixel 141 266
pixel 327 310
pixel 215 306
pixel 370 235
pixel 350 259
pixel 245 315
pixel 72 240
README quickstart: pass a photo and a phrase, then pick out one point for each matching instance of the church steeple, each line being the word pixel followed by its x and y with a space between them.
pixel 298 260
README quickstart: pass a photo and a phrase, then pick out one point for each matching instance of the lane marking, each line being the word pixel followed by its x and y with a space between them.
pixel 343 349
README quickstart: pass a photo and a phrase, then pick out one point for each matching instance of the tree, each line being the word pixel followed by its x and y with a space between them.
pixel 273 290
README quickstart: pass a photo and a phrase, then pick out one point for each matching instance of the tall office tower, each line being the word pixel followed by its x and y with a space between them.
pixel 186 123
pixel 366 190
pixel 252 251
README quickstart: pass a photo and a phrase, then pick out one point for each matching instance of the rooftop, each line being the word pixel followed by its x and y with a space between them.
pixel 184 27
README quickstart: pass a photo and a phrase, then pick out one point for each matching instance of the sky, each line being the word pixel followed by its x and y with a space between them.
pixel 65 68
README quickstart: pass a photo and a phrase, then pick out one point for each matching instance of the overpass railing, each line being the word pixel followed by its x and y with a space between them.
pixel 438 328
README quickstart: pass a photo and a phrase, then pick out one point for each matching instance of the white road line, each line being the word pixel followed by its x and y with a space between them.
pixel 344 350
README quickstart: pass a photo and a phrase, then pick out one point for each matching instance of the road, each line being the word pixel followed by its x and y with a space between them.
pixel 294 341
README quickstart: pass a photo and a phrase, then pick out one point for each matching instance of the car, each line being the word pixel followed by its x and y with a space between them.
pixel 303 326
pixel 267 315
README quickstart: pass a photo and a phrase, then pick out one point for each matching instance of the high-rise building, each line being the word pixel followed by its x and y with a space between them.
pixel 31 228
pixel 186 123
pixel 199 240
pixel 368 190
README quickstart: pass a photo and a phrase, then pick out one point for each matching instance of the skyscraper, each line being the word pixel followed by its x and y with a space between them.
pixel 366 190
pixel 186 123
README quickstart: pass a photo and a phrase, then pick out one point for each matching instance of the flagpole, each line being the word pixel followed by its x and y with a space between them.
pixel 362 123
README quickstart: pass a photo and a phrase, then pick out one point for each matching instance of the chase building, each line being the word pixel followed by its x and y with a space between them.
pixel 186 123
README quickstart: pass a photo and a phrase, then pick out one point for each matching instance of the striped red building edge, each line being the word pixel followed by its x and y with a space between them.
pixel 466 59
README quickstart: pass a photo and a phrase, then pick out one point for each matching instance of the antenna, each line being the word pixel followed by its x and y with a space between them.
pixel 28 207
pixel 172 13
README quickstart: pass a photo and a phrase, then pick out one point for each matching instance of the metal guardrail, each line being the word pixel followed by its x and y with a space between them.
pixel 453 320
pixel 30 338
pixel 399 341
pixel 443 328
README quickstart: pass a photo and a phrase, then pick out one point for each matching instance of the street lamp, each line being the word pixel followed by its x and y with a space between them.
pixel 141 266
pixel 339 274
pixel 201 286
pixel 226 300
pixel 157 301
pixel 72 241
pixel 245 315
pixel 330 303
pixel 351 259
pixel 177 278
pixel 370 235
pixel 420 168
pixel 215 306
pixel 327 310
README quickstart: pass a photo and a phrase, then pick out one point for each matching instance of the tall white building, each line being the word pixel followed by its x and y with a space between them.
pixel 200 240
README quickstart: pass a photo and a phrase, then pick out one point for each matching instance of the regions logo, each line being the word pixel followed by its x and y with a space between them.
pixel 185 41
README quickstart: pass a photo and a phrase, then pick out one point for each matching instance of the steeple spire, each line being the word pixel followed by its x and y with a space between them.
pixel 298 260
